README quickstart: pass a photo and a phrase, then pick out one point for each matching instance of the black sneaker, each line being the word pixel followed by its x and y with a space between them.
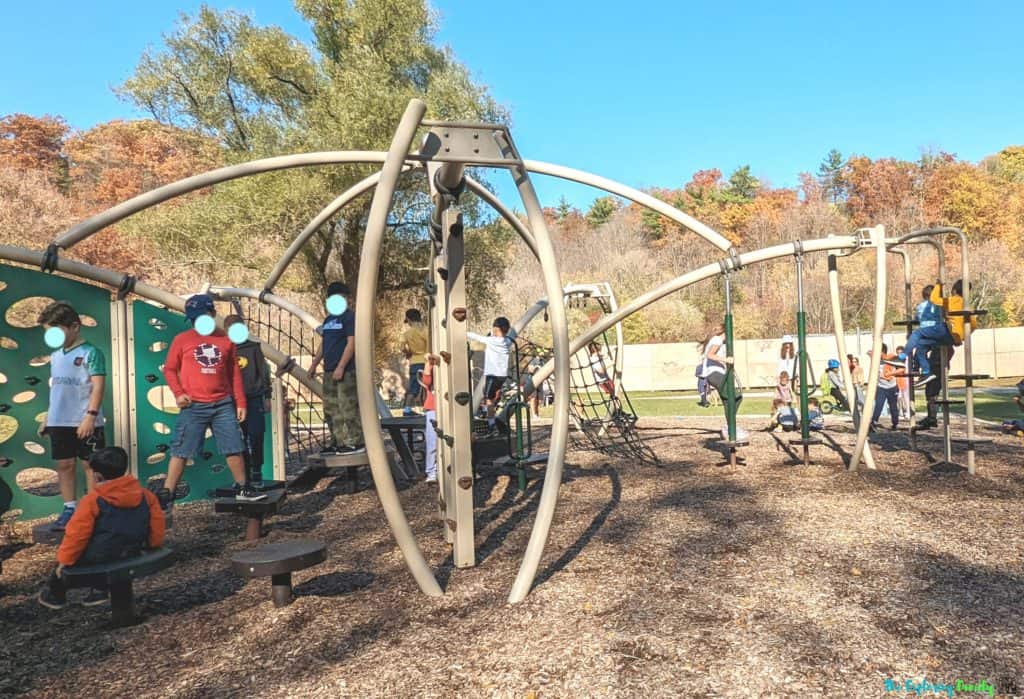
pixel 347 450
pixel 166 499
pixel 95 597
pixel 924 380
pixel 246 494
pixel 926 424
pixel 50 600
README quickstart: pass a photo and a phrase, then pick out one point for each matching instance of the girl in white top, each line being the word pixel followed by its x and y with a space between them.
pixel 787 360
pixel 715 359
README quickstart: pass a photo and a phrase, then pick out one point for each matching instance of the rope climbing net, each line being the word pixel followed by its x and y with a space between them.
pixel 599 405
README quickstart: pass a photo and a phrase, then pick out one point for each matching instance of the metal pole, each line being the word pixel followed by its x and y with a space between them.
pixel 369 270
pixel 730 374
pixel 801 336
pixel 965 280
pixel 878 240
pixel 844 366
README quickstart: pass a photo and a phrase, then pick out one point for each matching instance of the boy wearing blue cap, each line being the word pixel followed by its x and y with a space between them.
pixel 202 373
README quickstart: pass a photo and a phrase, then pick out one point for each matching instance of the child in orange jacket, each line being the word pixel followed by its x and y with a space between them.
pixel 117 519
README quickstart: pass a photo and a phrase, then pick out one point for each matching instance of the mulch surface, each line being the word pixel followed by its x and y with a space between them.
pixel 693 579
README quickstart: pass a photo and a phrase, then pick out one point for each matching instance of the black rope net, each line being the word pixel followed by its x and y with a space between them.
pixel 306 428
pixel 599 405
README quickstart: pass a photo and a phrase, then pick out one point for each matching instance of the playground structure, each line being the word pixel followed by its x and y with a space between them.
pixel 447 149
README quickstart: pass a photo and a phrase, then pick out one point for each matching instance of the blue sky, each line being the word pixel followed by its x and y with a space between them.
pixel 645 92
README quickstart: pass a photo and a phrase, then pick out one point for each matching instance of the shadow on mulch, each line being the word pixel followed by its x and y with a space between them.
pixel 334 584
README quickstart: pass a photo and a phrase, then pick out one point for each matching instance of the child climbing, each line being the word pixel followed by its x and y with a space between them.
pixel 496 352
pixel 948 334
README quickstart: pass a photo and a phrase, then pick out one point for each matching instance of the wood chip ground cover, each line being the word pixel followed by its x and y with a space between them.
pixel 691 579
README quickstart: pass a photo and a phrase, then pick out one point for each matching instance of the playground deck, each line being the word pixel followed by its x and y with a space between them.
pixel 688 580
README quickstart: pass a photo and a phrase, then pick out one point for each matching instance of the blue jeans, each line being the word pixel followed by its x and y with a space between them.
pixel 414 384
pixel 923 339
pixel 430 443
pixel 190 429
pixel 890 396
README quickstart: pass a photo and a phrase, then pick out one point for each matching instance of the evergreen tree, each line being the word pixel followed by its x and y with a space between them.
pixel 832 176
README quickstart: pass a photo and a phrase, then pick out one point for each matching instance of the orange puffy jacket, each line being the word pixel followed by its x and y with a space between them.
pixel 125 492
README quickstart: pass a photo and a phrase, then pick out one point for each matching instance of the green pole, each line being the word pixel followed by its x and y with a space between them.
pixel 801 335
pixel 730 385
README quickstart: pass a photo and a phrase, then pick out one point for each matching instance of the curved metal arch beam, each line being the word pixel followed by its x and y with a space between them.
pixel 366 293
pixel 844 366
pixel 495 203
pixel 366 185
pixel 113 279
pixel 635 195
pixel 560 425
pixel 94 224
pixel 881 277
pixel 340 202
pixel 692 277
pixel 272 299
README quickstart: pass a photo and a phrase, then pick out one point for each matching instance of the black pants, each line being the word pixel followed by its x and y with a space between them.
pixel 890 396
pixel 839 398
pixel 933 388
pixel 717 380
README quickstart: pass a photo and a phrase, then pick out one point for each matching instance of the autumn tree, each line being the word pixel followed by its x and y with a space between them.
pixel 35 143
pixel 117 160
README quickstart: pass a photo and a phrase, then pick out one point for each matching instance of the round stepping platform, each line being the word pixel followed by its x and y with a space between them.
pixel 279 560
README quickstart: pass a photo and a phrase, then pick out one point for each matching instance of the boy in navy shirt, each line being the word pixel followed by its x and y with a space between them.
pixel 337 352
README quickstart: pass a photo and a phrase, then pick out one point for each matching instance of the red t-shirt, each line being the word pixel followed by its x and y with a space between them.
pixel 204 368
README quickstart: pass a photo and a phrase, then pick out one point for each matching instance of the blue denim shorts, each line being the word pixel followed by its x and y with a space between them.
pixel 190 430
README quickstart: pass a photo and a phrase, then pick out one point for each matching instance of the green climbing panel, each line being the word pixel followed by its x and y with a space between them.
pixel 28 483
pixel 153 328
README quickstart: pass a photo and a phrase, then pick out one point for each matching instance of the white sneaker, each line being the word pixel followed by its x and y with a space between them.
pixel 432 478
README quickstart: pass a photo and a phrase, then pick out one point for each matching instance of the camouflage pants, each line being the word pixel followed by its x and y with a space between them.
pixel 341 406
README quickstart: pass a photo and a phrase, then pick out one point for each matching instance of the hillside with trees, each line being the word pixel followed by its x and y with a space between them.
pixel 221 89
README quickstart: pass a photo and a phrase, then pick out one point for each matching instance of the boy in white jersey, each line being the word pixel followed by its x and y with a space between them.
pixel 74 421
pixel 497 346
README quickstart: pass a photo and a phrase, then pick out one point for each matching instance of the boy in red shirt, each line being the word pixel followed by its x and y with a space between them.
pixel 117 519
pixel 202 373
